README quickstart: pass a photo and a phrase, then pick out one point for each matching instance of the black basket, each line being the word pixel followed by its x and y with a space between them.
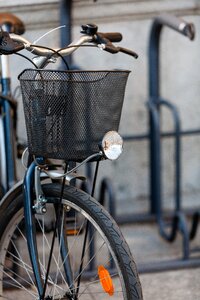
pixel 67 113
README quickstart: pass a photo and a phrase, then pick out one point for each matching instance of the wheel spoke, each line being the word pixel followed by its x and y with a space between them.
pixel 85 267
pixel 53 256
pixel 18 284
pixel 104 252
pixel 58 259
pixel 26 267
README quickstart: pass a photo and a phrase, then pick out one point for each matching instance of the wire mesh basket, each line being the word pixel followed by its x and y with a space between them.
pixel 67 113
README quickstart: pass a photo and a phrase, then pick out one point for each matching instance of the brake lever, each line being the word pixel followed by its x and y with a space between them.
pixel 104 43
pixel 128 51
pixel 113 49
pixel 108 46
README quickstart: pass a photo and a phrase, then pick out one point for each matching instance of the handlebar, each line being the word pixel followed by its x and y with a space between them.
pixel 113 37
pixel 12 43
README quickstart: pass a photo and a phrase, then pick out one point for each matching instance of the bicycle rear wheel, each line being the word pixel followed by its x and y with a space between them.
pixel 104 269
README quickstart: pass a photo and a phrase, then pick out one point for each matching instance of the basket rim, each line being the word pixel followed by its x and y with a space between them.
pixel 74 71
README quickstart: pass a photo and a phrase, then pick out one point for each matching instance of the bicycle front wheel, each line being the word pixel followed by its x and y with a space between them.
pixel 95 264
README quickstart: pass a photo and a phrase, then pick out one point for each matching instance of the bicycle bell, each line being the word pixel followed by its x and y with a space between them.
pixel 112 145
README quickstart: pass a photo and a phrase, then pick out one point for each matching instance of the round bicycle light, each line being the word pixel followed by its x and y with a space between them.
pixel 112 145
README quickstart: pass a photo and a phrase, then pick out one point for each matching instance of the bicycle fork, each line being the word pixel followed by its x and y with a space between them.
pixel 30 227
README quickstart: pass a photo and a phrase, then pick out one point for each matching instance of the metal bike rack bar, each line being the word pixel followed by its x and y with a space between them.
pixel 66 19
pixel 66 32
pixel 177 217
pixel 155 101
pixel 154 104
pixel 107 190
pixel 178 222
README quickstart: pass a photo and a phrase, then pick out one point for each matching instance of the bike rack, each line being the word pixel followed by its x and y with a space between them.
pixel 178 222
pixel 155 102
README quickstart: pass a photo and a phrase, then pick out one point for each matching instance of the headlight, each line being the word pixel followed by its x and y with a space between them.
pixel 112 145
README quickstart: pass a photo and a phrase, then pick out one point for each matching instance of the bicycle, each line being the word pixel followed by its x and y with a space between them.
pixel 83 255
pixel 8 112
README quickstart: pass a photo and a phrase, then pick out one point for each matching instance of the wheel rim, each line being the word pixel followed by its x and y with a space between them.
pixel 91 284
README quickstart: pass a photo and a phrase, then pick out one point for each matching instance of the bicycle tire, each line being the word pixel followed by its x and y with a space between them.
pixel 124 280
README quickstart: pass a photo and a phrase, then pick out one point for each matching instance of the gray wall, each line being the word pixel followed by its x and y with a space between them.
pixel 180 64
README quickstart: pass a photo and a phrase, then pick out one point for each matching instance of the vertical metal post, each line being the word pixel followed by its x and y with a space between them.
pixel 186 29
pixel 8 121
pixel 65 19
pixel 155 151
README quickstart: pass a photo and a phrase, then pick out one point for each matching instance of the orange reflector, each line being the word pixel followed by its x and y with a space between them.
pixel 106 280
pixel 72 231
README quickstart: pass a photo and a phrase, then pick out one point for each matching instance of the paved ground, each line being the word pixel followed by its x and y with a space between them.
pixel 147 247
pixel 174 285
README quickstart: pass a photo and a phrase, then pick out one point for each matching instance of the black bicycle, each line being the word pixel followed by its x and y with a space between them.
pixel 71 116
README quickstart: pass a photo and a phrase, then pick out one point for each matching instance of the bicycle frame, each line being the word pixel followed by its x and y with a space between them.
pixel 30 231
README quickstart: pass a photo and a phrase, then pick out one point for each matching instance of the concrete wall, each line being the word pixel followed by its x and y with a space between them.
pixel 180 66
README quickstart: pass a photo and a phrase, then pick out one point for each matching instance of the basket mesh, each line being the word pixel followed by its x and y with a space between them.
pixel 67 113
